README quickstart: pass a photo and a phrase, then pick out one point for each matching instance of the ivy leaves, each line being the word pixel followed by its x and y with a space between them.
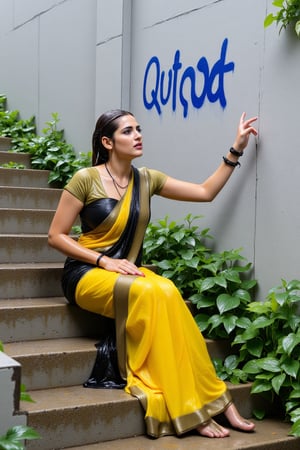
pixel 288 13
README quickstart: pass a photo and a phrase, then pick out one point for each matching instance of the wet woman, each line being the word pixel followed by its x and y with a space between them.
pixel 161 352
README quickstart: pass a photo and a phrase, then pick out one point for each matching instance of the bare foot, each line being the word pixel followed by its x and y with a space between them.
pixel 212 429
pixel 236 420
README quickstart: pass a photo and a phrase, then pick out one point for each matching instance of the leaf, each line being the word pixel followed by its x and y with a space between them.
pixel 295 394
pixel 261 386
pixel 231 362
pixel 250 333
pixel 295 429
pixel 251 367
pixel 243 322
pixel 13 437
pixel 248 284
pixel 242 294
pixel 269 364
pixel 232 275
pixel 291 367
pixel 297 28
pixel 207 284
pixel 262 322
pixel 202 321
pixel 221 281
pixel 215 321
pixel 179 235
pixel 290 342
pixel 229 323
pixel 278 381
pixel 227 302
pixel 165 264
pixel 255 347
pixel 259 414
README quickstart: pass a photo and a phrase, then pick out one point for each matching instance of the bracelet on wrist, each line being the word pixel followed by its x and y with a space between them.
pixel 231 163
pixel 235 152
pixel 99 259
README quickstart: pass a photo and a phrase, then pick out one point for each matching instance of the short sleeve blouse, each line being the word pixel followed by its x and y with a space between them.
pixel 86 184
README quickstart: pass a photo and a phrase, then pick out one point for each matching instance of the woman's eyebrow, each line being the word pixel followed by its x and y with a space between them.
pixel 130 127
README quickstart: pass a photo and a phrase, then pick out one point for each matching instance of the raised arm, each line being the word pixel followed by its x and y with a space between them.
pixel 207 191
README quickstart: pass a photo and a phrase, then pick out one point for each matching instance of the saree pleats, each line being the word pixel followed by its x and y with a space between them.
pixel 168 363
pixel 168 366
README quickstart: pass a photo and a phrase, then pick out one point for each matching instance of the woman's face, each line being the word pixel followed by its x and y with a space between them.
pixel 127 139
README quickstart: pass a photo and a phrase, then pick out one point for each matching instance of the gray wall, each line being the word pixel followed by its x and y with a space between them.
pixel 81 57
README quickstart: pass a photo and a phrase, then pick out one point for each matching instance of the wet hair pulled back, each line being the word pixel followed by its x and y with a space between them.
pixel 106 125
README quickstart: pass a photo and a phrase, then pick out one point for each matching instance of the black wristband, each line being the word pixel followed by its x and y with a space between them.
pixel 235 152
pixel 98 259
pixel 231 163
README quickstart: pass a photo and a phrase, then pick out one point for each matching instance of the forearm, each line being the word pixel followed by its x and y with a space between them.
pixel 70 247
pixel 215 183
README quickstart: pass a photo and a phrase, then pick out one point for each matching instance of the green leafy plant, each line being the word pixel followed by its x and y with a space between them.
pixel 48 151
pixel 288 13
pixel 12 165
pixel 177 249
pixel 51 152
pixel 223 293
pixel 269 351
pixel 265 336
pixel 14 437
pixel 12 126
pixel 212 281
pixel 2 102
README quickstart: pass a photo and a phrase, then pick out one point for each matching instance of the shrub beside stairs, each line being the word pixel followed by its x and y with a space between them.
pixel 55 342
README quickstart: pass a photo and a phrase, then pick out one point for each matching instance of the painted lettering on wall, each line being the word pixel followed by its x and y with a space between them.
pixel 186 86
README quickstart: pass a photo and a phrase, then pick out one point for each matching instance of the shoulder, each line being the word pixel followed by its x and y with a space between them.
pixel 156 178
pixel 81 182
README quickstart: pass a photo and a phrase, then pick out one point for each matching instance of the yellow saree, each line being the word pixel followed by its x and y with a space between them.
pixel 162 353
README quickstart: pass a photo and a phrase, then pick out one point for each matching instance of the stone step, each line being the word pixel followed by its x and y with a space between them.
pixel 29 197
pixel 29 319
pixel 22 221
pixel 24 177
pixel 30 280
pixel 58 361
pixel 270 434
pixel 8 156
pixel 75 416
pixel 31 248
pixel 78 416
pixel 5 143
pixel 50 363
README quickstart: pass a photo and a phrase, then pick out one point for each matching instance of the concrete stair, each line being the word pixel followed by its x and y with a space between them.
pixel 55 342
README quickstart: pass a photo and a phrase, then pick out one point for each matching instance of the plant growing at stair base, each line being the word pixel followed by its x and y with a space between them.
pixel 269 351
pixel 49 151
pixel 14 437
pixel 265 335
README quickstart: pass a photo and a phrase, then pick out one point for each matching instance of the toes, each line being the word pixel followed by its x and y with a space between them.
pixel 212 429
pixel 237 421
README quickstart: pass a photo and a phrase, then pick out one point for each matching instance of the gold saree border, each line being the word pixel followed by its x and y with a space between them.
pixel 185 423
pixel 123 283
pixel 143 216
pixel 120 295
